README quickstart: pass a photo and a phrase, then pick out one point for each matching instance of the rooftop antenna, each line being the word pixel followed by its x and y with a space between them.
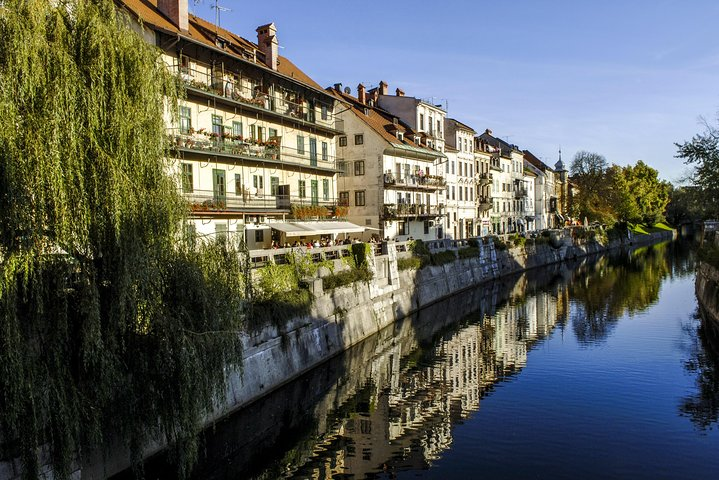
pixel 218 9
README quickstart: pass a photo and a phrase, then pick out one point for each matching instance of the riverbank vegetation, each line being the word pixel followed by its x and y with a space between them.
pixel 115 329
pixel 611 193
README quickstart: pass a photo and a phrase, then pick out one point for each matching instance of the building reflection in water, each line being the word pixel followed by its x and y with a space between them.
pixel 390 403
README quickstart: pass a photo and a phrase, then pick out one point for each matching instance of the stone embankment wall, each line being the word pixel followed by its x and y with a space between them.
pixel 707 284
pixel 347 315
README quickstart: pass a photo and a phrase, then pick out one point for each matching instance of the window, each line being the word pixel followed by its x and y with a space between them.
pixel 258 183
pixel 343 141
pixel 344 199
pixel 274 185
pixel 460 193
pixel 325 156
pixel 360 198
pixel 271 132
pixel 324 112
pixel 453 191
pixel 238 184
pixel 259 236
pixel 452 168
pixel 439 133
pixel 402 228
pixel 300 145
pixel 359 139
pixel 217 128
pixel 359 167
pixel 342 169
pixel 237 129
pixel 426 227
pixel 313 152
pixel 253 132
pixel 421 121
pixel 185 120
pixel 325 189
pixel 260 134
pixel 187 178
pixel 301 189
pixel 466 194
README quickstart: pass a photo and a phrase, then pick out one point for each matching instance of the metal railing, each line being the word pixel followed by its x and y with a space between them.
pixel 246 199
pixel 432 182
pixel 405 210
pixel 230 145
pixel 250 92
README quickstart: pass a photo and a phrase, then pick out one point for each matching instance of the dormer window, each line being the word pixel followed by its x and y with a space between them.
pixel 366 111
pixel 400 135
pixel 395 121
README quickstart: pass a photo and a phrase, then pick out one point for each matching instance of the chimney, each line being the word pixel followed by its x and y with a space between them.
pixel 488 132
pixel 382 87
pixel 399 92
pixel 361 94
pixel 176 11
pixel 338 87
pixel 267 42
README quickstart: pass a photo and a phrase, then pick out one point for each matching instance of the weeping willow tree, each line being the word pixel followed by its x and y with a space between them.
pixel 112 329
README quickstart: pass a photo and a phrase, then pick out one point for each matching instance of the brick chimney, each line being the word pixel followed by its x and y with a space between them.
pixel 267 42
pixel 361 93
pixel 176 11
pixel 383 87
pixel 399 92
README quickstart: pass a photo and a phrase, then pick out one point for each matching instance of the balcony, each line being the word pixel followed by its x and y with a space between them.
pixel 269 151
pixel 483 179
pixel 215 202
pixel 485 203
pixel 520 193
pixel 414 182
pixel 418 211
pixel 237 90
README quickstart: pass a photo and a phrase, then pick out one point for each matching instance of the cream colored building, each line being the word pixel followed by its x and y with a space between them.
pixel 389 177
pixel 461 194
pixel 255 140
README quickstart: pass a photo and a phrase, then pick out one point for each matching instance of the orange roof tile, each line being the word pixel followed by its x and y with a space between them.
pixel 381 121
pixel 201 30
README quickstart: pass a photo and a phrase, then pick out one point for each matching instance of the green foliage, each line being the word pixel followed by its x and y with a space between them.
pixel 469 252
pixel 276 309
pixel 498 242
pixel 702 153
pixel 418 248
pixel 111 329
pixel 360 254
pixel 346 277
pixel 442 258
pixel 409 263
pixel 517 240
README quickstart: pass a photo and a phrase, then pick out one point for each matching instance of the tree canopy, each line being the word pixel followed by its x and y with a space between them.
pixel 611 193
pixel 702 153
pixel 112 328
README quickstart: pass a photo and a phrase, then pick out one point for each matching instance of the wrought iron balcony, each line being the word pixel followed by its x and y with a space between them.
pixel 237 147
pixel 405 210
pixel 484 178
pixel 485 203
pixel 249 92
pixel 252 200
pixel 427 182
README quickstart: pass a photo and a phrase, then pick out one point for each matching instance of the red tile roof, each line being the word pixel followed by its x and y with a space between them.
pixel 204 32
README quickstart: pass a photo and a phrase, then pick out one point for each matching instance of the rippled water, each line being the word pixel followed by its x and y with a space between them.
pixel 601 370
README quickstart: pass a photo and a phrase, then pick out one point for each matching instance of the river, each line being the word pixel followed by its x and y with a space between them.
pixel 596 369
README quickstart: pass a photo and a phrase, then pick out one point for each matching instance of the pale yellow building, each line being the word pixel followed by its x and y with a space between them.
pixel 254 144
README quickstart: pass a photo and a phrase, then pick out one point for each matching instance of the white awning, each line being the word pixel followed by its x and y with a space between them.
pixel 303 229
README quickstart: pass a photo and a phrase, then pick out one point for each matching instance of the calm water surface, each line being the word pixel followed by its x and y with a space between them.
pixel 601 370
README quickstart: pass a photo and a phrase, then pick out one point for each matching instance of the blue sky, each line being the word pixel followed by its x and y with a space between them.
pixel 626 79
